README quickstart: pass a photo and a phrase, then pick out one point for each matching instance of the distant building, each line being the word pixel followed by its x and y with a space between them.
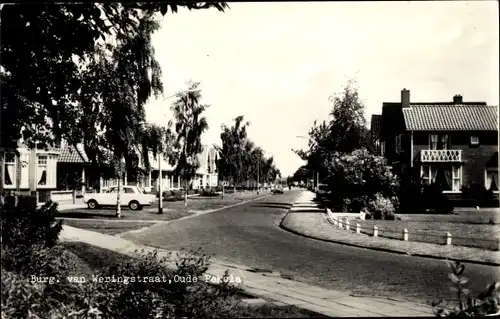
pixel 375 126
pixel 450 143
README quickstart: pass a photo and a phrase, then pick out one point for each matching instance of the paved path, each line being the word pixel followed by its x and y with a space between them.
pixel 270 286
pixel 250 234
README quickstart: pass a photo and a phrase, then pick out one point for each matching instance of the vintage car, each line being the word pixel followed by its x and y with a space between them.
pixel 130 196
pixel 277 190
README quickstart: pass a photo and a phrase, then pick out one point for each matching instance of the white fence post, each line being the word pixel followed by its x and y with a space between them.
pixel 405 234
pixel 448 238
pixel 341 223
pixel 375 231
pixel 335 221
pixel 347 224
pixel 358 228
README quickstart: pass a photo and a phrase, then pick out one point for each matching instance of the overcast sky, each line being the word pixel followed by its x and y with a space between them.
pixel 278 63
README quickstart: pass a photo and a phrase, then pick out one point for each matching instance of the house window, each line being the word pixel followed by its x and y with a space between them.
pixel 9 169
pixel 42 169
pixel 443 142
pixel 456 170
pixel 491 179
pixel 474 140
pixel 382 148
pixel 434 142
pixel 448 178
pixel 46 170
pixel 424 173
pixel 439 142
pixel 398 143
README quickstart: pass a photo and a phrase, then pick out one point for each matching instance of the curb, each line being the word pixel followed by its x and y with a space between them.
pixel 387 250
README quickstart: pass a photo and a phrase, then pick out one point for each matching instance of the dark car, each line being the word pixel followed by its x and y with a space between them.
pixel 277 191
pixel 322 190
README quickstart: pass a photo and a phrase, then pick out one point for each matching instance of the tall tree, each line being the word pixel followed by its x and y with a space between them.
pixel 40 60
pixel 41 72
pixel 189 126
pixel 232 158
pixel 344 132
pixel 249 162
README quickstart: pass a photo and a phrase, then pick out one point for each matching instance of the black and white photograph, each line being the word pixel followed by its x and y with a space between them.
pixel 286 159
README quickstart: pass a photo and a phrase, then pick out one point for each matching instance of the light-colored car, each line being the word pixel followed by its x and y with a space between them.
pixel 130 196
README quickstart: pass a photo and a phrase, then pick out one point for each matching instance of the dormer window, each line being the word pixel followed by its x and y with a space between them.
pixel 474 140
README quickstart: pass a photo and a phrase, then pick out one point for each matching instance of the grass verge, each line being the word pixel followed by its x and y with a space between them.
pixel 466 234
pixel 317 226
pixel 89 259
pixel 171 210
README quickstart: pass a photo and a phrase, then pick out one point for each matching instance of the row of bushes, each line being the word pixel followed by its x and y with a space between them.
pixel 30 247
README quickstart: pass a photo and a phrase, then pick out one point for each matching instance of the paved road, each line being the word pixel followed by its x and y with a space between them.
pixel 249 234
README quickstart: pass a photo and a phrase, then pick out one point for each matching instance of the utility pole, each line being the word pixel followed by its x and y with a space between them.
pixel 160 186
pixel 258 169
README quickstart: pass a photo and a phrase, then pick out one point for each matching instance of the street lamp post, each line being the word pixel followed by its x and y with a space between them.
pixel 160 179
pixel 160 185
pixel 258 176
pixel 160 157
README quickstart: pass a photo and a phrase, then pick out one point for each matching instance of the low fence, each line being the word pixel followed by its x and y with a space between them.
pixel 446 238
pixel 59 196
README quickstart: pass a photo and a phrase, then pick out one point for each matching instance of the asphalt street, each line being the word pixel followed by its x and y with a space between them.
pixel 249 234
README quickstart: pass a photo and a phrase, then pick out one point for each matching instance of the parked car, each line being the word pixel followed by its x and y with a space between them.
pixel 130 196
pixel 277 190
pixel 322 190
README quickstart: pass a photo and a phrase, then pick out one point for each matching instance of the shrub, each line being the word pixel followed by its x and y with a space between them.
pixel 24 226
pixel 434 199
pixel 359 176
pixel 485 303
pixel 22 298
pixel 381 207
pixel 189 298
pixel 476 193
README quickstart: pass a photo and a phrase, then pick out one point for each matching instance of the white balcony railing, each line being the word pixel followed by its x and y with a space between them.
pixel 441 155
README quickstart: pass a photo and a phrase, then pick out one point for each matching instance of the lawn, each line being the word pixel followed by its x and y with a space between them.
pixel 467 229
pixel 89 259
pixel 171 210
pixel 107 227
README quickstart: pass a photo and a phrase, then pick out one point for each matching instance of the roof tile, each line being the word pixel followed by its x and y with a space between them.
pixel 451 117
pixel 70 154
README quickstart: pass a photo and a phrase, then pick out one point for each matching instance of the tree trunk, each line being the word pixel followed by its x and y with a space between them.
pixel 118 204
pixel 186 194
pixel 222 189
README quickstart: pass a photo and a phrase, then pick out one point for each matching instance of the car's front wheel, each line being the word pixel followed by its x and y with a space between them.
pixel 92 204
pixel 134 205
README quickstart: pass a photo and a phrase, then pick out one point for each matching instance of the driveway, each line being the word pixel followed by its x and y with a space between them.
pixel 249 234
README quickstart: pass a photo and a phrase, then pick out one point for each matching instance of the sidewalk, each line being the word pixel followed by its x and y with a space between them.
pixel 317 226
pixel 272 288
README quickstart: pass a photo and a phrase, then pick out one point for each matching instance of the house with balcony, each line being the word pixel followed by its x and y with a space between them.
pixel 449 143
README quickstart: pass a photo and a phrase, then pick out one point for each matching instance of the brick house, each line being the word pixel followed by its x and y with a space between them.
pixel 450 143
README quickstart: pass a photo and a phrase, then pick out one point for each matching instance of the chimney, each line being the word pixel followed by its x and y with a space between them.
pixel 405 98
pixel 458 99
